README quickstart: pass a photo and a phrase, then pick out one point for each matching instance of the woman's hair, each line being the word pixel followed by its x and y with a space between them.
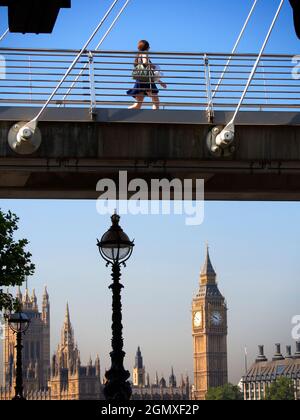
pixel 143 45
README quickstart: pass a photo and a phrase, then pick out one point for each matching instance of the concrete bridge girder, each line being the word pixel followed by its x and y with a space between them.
pixel 76 152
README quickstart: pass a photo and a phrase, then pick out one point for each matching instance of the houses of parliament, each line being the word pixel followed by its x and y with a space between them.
pixel 63 377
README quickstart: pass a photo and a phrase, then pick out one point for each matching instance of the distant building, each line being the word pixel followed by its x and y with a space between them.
pixel 36 346
pixel 263 373
pixel 143 389
pixel 65 378
pixel 209 312
pixel 69 380
pixel 139 378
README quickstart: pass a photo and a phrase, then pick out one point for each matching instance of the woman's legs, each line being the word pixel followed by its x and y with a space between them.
pixel 139 102
pixel 155 100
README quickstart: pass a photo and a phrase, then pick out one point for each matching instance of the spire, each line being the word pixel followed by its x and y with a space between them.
pixel 67 331
pixel 138 359
pixel 208 274
pixel 67 315
pixel 45 295
pixel 26 299
pixel 172 379
pixel 19 294
pixel 46 308
pixel 162 382
pixel 97 366
pixel 34 299
pixel 26 295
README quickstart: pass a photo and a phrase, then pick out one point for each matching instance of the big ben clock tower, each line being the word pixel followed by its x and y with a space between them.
pixel 209 313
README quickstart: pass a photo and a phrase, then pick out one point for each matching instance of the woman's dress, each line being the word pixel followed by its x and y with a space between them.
pixel 143 88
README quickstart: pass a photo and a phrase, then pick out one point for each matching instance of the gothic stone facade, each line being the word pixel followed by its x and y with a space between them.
pixel 36 346
pixel 69 380
pixel 65 378
pixel 160 390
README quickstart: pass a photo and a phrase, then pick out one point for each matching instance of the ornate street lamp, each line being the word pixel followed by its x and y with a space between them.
pixel 116 248
pixel 19 323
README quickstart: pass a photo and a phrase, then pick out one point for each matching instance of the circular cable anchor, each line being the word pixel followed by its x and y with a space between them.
pixel 220 142
pixel 23 140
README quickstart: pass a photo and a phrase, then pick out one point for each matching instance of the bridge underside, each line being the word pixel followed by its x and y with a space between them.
pixel 77 152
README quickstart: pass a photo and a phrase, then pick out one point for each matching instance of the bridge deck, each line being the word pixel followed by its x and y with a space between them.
pixel 76 152
pixel 145 116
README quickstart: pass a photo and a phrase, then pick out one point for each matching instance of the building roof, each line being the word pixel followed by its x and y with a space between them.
pixel 209 290
pixel 270 371
pixel 208 269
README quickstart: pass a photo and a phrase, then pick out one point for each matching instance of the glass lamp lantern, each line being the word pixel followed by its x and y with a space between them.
pixel 18 322
pixel 115 246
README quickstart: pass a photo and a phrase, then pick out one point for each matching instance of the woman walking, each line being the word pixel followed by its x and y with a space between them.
pixel 142 87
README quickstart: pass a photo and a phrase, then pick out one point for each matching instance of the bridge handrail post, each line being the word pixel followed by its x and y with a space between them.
pixel 210 105
pixel 93 99
pixel 265 82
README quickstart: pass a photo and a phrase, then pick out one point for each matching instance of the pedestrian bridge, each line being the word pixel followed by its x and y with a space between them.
pixel 87 133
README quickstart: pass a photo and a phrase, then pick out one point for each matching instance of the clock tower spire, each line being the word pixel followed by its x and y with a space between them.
pixel 209 333
pixel 208 274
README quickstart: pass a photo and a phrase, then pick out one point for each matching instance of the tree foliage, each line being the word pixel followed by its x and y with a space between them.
pixel 227 392
pixel 15 261
pixel 281 390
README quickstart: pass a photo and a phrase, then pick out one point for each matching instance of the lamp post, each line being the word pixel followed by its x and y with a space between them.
pixel 116 248
pixel 19 323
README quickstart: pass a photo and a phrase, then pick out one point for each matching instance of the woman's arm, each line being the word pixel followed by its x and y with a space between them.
pixel 163 84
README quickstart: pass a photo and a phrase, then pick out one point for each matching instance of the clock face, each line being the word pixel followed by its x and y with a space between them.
pixel 198 319
pixel 216 318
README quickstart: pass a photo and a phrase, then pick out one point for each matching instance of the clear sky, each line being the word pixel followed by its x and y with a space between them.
pixel 254 246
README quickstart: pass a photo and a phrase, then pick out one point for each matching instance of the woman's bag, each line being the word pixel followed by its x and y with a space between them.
pixel 144 74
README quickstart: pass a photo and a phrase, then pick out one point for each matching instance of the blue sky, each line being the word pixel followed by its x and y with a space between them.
pixel 254 246
pixel 190 25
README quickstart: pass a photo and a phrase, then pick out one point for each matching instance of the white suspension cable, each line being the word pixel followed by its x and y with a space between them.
pixel 252 74
pixel 226 137
pixel 33 123
pixel 4 35
pixel 235 48
pixel 97 48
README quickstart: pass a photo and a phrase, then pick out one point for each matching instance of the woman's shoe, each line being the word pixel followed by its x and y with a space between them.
pixel 135 106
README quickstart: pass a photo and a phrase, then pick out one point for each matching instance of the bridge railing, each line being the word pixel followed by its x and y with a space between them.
pixel 102 79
